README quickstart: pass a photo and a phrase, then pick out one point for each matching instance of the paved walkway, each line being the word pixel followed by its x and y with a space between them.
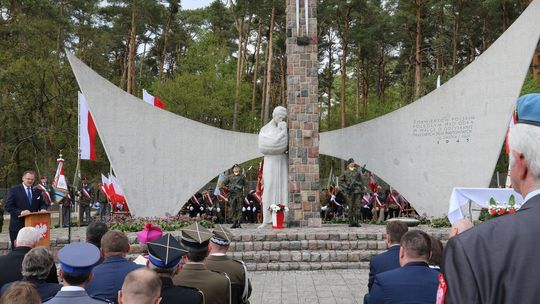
pixel 346 286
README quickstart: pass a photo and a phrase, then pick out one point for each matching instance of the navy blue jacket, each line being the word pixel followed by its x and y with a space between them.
pixel 17 201
pixel 414 283
pixel 385 261
pixel 109 277
pixel 46 290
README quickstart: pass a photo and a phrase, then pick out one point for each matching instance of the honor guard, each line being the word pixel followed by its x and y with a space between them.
pixel 353 186
pixel 236 183
pixel 236 270
pixel 164 255
pixel 86 198
pixel 216 287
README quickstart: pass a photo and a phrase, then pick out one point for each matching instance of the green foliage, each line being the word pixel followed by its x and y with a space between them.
pixel 128 224
pixel 440 223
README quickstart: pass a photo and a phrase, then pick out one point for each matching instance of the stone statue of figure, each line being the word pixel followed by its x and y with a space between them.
pixel 273 142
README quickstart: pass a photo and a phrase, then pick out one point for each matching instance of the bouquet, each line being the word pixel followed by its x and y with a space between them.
pixel 496 209
pixel 279 208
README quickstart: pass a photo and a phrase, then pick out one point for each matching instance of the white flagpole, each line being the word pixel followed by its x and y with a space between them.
pixel 438 81
pixel 297 18
pixel 306 16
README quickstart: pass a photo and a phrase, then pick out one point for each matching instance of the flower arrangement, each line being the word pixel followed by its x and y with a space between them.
pixel 496 209
pixel 279 208
pixel 168 223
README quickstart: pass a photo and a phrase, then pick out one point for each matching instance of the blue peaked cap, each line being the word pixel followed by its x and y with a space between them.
pixel 78 258
pixel 528 109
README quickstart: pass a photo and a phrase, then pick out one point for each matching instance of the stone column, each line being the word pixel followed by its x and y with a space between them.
pixel 303 115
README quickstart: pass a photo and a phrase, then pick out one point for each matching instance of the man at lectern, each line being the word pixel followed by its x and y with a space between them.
pixel 22 199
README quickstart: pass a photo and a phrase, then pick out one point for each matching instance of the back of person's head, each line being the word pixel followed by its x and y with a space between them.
pixel 525 139
pixel 416 245
pixel 94 233
pixel 76 279
pixel 197 255
pixel 37 263
pixel 460 226
pixel 141 286
pixel 27 237
pixel 395 230
pixel 20 292
pixel 436 251
pixel 114 243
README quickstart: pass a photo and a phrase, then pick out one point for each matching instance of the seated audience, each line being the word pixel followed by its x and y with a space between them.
pixel 20 293
pixel 164 256
pixel 76 263
pixel 435 259
pixel 109 275
pixel 36 265
pixel 459 226
pixel 141 286
pixel 94 232
pixel 414 281
pixel 10 264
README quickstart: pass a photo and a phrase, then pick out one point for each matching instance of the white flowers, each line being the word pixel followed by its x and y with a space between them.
pixel 278 208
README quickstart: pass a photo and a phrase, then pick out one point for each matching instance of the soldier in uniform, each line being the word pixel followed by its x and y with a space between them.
pixel 45 186
pixel 216 287
pixel 164 255
pixel 353 186
pixel 235 269
pixel 86 197
pixel 236 183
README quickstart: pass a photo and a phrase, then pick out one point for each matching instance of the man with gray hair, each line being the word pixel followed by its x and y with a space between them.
pixel 11 264
pixel 497 262
pixel 141 286
pixel 460 226
pixel 36 266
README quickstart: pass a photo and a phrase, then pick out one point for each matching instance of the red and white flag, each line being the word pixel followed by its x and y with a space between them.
pixel 87 131
pixel 59 183
pixel 153 100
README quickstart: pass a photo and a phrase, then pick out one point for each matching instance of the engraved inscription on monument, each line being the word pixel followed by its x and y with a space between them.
pixel 447 129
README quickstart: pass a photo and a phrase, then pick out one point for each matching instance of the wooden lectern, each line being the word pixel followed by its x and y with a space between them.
pixel 42 222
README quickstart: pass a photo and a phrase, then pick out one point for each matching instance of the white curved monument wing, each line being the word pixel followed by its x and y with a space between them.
pixel 452 136
pixel 157 155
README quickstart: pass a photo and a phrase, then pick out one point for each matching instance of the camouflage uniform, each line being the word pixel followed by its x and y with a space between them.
pixel 353 184
pixel 236 185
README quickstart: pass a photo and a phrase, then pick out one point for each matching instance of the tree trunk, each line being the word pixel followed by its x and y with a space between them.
pixel 283 76
pixel 344 46
pixel 418 57
pixel 240 28
pixel 132 50
pixel 164 48
pixel 269 68
pixel 455 34
pixel 256 70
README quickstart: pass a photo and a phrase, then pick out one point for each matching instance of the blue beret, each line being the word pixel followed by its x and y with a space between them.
pixel 78 258
pixel 528 109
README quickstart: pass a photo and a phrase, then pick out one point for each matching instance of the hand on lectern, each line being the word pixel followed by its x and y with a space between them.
pixel 43 210
pixel 25 212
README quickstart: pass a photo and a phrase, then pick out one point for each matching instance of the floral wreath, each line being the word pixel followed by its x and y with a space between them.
pixel 278 208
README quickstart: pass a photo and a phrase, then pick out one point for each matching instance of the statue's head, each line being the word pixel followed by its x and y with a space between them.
pixel 279 113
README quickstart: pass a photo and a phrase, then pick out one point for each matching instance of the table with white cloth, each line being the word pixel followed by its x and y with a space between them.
pixel 481 196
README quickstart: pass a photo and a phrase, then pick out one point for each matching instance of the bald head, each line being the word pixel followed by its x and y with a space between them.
pixel 27 237
pixel 141 286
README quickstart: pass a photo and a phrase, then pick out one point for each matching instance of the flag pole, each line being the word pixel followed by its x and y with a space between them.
pixel 78 167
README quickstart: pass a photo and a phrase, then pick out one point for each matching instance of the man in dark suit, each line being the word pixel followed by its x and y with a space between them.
pixel 76 263
pixel 22 199
pixel 11 264
pixel 164 255
pixel 110 274
pixel 497 261
pixel 220 262
pixel 414 281
pixel 215 287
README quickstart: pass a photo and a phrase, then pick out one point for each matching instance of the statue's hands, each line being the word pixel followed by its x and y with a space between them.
pixel 282 125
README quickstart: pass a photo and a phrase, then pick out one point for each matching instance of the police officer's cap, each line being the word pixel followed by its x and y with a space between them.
pixel 195 237
pixel 528 109
pixel 165 252
pixel 222 236
pixel 78 258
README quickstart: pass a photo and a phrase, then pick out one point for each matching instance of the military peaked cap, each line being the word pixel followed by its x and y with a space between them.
pixel 165 252
pixel 196 237
pixel 222 236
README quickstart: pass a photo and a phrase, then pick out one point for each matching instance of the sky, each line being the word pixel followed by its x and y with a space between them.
pixel 193 4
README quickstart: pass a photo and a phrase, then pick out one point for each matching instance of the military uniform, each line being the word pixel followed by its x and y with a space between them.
pixel 215 287
pixel 353 184
pixel 236 184
pixel 86 197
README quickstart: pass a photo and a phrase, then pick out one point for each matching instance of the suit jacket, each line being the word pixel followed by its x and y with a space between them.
pixel 414 283
pixel 233 269
pixel 214 286
pixel 385 261
pixel 10 266
pixel 496 261
pixel 109 277
pixel 71 297
pixel 46 290
pixel 17 201
pixel 171 294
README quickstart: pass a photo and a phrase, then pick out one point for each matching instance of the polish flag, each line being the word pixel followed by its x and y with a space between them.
pixel 510 125
pixel 87 131
pixel 156 102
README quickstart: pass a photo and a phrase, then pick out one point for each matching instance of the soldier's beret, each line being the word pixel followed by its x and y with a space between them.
pixel 528 109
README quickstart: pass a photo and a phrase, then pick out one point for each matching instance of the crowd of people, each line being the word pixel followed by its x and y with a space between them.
pixel 194 269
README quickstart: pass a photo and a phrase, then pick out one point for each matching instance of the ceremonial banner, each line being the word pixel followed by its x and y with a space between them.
pixel 59 183
pixel 153 100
